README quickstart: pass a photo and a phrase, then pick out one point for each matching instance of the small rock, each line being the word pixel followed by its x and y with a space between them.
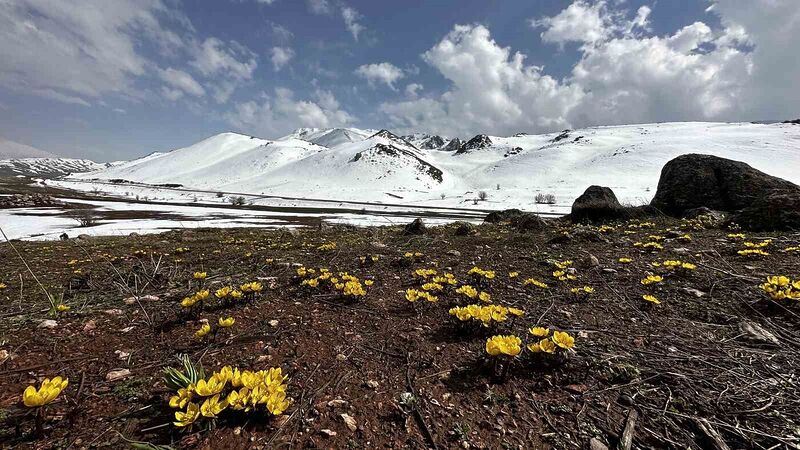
pixel 758 333
pixel 417 227
pixel 681 251
pixel 625 400
pixel 341 357
pixel 90 325
pixel 692 291
pixel 337 403
pixel 349 421
pixel 372 384
pixel 3 355
pixel 327 433
pixel 84 237
pixel 127 329
pixel 273 323
pixel 596 444
pixel 122 355
pixel 113 312
pixel 378 245
pixel 117 374
pixel 48 323
pixel 609 270
pixel 455 253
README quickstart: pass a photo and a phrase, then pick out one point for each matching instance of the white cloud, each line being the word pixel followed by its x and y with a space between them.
pixel 181 80
pixel 78 54
pixel 579 22
pixel 413 89
pixel 319 6
pixel 493 90
pixel 386 73
pixel 281 56
pixel 279 114
pixel 213 57
pixel 743 70
pixel 349 14
pixel 351 18
pixel 281 32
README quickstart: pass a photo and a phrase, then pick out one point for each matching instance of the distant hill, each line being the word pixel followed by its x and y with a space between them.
pixel 10 149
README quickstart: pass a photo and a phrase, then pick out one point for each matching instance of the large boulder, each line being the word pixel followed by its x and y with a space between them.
pixel 596 204
pixel 506 215
pixel 694 181
pixel 779 210
pixel 417 227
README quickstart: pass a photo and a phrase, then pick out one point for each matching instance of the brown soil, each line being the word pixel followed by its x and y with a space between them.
pixel 675 363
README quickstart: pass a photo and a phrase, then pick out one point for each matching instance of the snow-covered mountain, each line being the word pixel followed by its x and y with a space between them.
pixel 369 165
pixel 15 150
pixel 47 167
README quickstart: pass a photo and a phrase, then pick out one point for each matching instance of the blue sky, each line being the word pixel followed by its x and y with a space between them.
pixel 116 79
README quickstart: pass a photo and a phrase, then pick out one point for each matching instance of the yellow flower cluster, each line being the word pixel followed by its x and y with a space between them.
pixel 485 314
pixel 650 246
pixel 513 274
pixel 625 260
pixel 752 252
pixel 472 293
pixel 423 273
pixel 481 273
pixel 606 228
pixel 652 279
pixel 736 236
pixel 348 285
pixel 582 290
pixel 504 346
pixel 413 255
pixel 200 275
pixel 327 247
pixel 181 250
pixel 636 225
pixel 762 244
pixel 651 299
pixel 549 344
pixel 562 275
pixel 685 238
pixel 432 287
pixel 198 297
pixel 446 278
pixel 246 391
pixel 563 264
pixel 781 287
pixel 787 250
pixel 47 392
pixel 535 282
pixel 674 264
pixel 413 295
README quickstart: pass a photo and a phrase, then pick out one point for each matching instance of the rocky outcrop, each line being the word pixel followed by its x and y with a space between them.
pixel 454 145
pixel 28 201
pixel 478 142
pixel 522 221
pixel 779 210
pixel 417 227
pixel 596 204
pixel 694 181
pixel 432 143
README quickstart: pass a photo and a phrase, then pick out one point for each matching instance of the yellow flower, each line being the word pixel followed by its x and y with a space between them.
pixel 204 330
pixel 468 291
pixel 212 407
pixel 2 286
pixel 188 417
pixel 222 292
pixel 62 307
pixel 226 322
pixel 513 274
pixel 543 346
pixel 503 345
pixel 236 295
pixel 651 279
pixel 188 302
pixel 202 295
pixel 651 299
pixel 368 282
pixel 535 282
pixel 214 385
pixel 46 393
pixel 485 297
pixel 516 312
pixel 539 331
pixel 625 260
pixel 183 398
pixel 563 340
pixel 200 275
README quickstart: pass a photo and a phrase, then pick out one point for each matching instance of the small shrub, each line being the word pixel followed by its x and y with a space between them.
pixel 546 199
pixel 85 219
pixel 482 195
pixel 237 201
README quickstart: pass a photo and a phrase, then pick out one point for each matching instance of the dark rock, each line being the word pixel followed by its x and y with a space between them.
pixel 795 121
pixel 529 222
pixel 694 181
pixel 84 237
pixel 505 215
pixel 64 236
pixel 478 142
pixel 454 145
pixel 597 204
pixel 779 210
pixel 465 229
pixel 432 143
pixel 717 216
pixel 416 227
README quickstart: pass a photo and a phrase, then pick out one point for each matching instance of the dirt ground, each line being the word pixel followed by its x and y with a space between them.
pixel 716 359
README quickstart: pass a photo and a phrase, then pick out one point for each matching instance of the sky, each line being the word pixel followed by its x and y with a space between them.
pixel 119 79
